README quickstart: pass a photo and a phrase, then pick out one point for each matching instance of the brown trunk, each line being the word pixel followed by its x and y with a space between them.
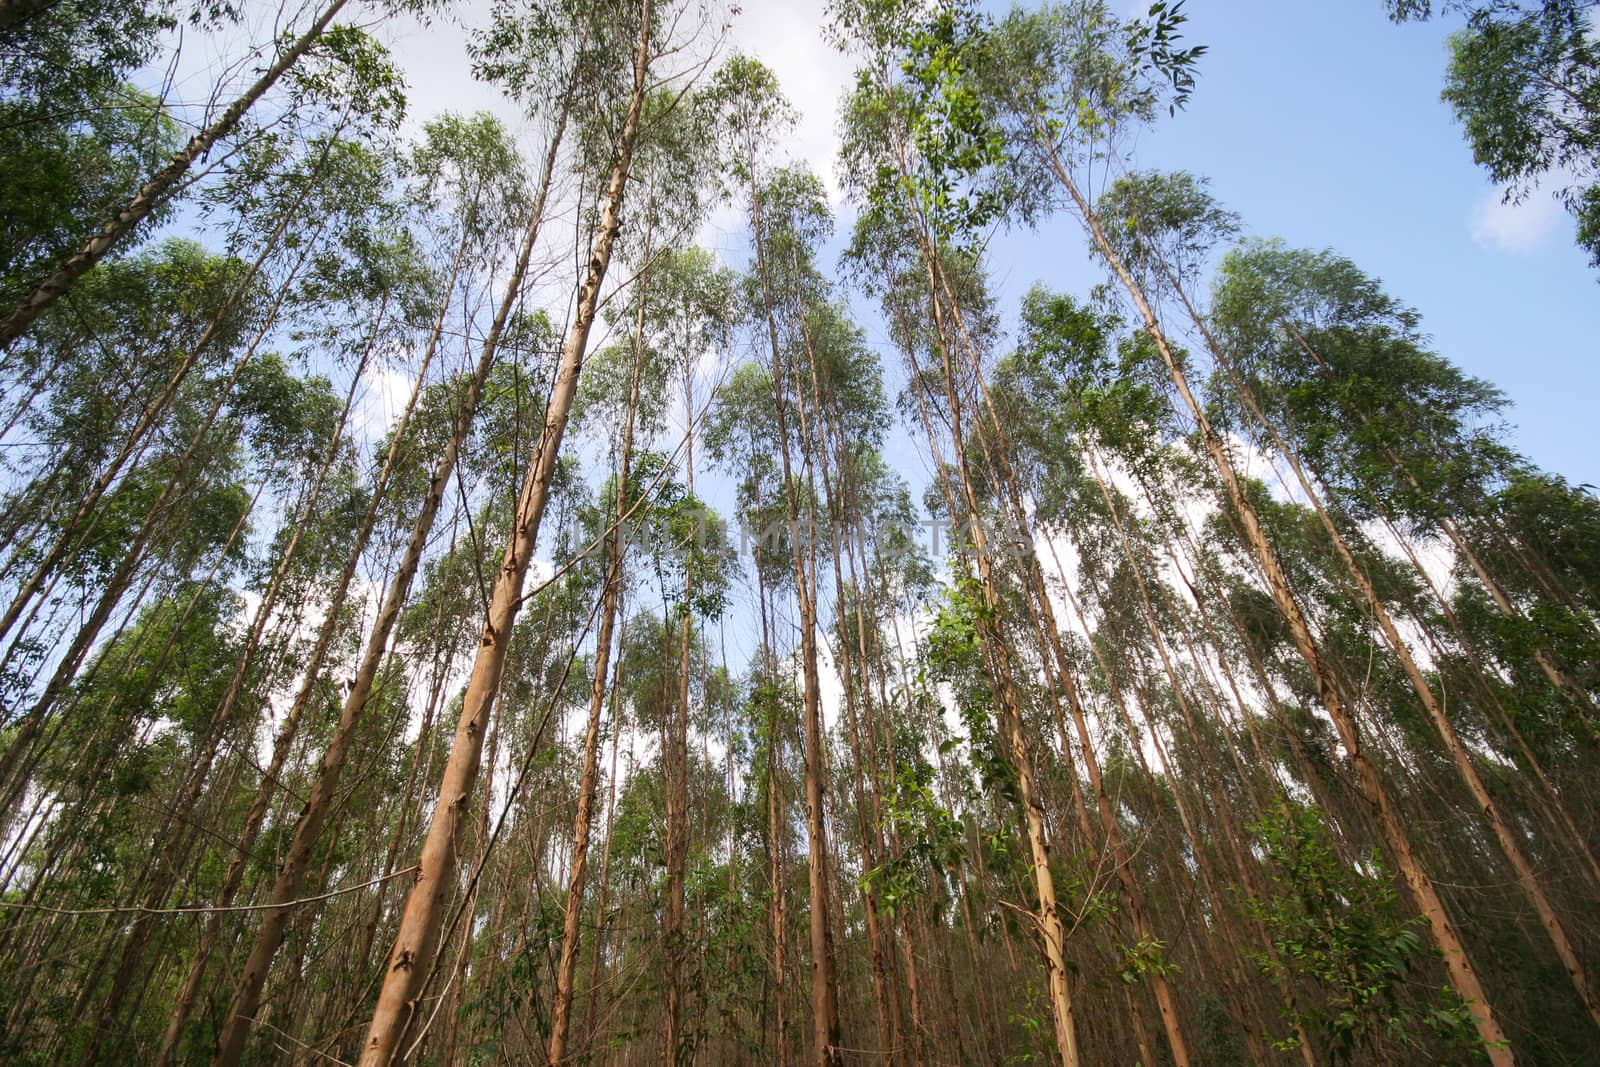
pixel 233 697
pixel 825 1033
pixel 1527 879
pixel 255 817
pixel 1424 894
pixel 414 946
pixel 675 765
pixel 566 968
pixel 308 826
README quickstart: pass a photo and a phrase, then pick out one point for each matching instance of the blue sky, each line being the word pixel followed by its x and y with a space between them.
pixel 1322 124
pixel 1319 123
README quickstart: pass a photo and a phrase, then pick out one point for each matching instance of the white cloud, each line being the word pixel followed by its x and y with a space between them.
pixel 438 70
pixel 785 34
pixel 1514 227
pixel 787 37
pixel 385 396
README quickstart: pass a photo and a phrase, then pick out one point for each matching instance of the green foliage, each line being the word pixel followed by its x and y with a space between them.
pixel 349 70
pixel 955 658
pixel 1343 370
pixel 1154 43
pixel 931 839
pixel 1524 82
pixel 1164 226
pixel 1337 927
pixel 62 171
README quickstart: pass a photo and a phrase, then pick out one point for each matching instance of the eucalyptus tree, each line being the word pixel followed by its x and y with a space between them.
pixel 362 281
pixel 129 324
pixel 337 184
pixel 1166 220
pixel 1343 369
pixel 348 223
pixel 77 138
pixel 1523 79
pixel 687 311
pixel 284 199
pixel 739 438
pixel 1112 402
pixel 848 417
pixel 417 939
pixel 626 389
pixel 301 419
pixel 787 216
pixel 1042 112
pixel 478 139
pixel 1508 841
pixel 339 49
pixel 472 173
pixel 927 159
pixel 679 311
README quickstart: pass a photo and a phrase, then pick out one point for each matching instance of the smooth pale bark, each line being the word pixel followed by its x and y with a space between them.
pixel 160 186
pixel 825 1032
pixel 588 781
pixel 675 757
pixel 414 946
pixel 1510 845
pixel 1047 918
pixel 1424 894
pixel 256 815
pixel 308 826
pixel 1045 621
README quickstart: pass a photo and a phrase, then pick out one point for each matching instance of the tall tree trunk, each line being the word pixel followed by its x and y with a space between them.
pixel 255 817
pixel 1423 892
pixel 414 946
pixel 1508 841
pixel 588 780
pixel 775 820
pixel 675 760
pixel 233 697
pixel 308 826
pixel 825 1032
